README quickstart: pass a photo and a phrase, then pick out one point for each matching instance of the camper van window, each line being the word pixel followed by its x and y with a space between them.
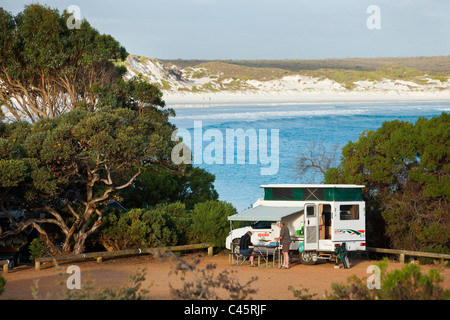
pixel 283 193
pixel 310 211
pixel 349 212
pixel 262 224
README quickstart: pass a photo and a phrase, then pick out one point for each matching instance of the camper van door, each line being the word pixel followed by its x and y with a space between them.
pixel 349 222
pixel 311 227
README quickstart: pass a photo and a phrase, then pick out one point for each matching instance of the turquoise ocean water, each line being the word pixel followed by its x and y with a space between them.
pixel 297 126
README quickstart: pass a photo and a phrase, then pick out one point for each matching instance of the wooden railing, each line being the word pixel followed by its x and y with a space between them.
pixel 403 253
pixel 109 254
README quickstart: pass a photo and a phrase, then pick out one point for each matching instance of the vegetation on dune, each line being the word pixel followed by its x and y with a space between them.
pixel 390 72
pixel 220 73
pixel 227 71
pixel 424 64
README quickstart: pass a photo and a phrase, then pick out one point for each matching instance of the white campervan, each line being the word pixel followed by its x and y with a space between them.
pixel 320 217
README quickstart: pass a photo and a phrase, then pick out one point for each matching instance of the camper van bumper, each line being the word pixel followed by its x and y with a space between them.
pixel 352 245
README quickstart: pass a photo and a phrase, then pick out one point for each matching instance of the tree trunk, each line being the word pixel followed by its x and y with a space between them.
pixel 79 244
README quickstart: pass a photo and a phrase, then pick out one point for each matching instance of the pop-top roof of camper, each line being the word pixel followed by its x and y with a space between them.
pixel 313 192
pixel 273 210
pixel 338 186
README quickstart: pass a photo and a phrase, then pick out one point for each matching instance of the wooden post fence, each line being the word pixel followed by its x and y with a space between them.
pixel 403 253
pixel 5 264
pixel 109 254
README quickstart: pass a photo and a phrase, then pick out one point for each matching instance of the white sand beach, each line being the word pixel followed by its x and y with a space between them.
pixel 198 86
pixel 210 99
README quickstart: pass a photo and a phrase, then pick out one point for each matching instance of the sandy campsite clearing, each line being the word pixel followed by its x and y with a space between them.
pixel 272 284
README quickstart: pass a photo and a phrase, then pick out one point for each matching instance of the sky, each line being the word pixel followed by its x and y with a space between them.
pixel 267 29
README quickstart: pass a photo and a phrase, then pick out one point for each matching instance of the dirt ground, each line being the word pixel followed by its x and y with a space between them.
pixel 272 284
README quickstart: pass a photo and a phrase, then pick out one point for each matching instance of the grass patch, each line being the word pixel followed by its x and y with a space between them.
pixel 227 71
pixel 425 64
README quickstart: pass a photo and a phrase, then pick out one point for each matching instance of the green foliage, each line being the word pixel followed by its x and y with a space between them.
pixel 354 289
pixel 199 187
pixel 136 94
pixel 89 135
pixel 432 140
pixel 76 139
pixel 12 172
pixel 210 221
pixel 162 225
pixel 41 60
pixel 343 71
pixel 154 186
pixel 72 165
pixel 226 71
pixel 166 224
pixel 302 293
pixel 2 285
pixel 436 64
pixel 37 248
pixel 408 283
pixel 405 168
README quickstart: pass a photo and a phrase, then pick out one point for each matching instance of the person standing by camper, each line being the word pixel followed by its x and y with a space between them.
pixel 285 241
pixel 244 246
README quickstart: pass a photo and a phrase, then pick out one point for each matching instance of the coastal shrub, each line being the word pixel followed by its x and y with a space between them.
pixel 37 248
pixel 166 224
pixel 162 225
pixel 176 219
pixel 302 293
pixel 408 283
pixel 154 186
pixel 210 221
pixel 404 168
pixel 2 285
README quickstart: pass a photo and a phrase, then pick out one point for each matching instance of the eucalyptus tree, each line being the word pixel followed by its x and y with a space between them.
pixel 63 171
pixel 406 170
pixel 47 68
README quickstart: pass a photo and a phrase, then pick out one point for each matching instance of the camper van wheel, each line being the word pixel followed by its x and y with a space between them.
pixel 306 258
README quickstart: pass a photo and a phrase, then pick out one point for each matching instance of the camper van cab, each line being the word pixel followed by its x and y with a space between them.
pixel 319 217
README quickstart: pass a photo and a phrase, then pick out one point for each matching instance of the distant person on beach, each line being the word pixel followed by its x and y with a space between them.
pixel 285 241
pixel 244 247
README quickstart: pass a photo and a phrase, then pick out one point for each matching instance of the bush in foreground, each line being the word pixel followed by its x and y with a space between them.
pixel 408 283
